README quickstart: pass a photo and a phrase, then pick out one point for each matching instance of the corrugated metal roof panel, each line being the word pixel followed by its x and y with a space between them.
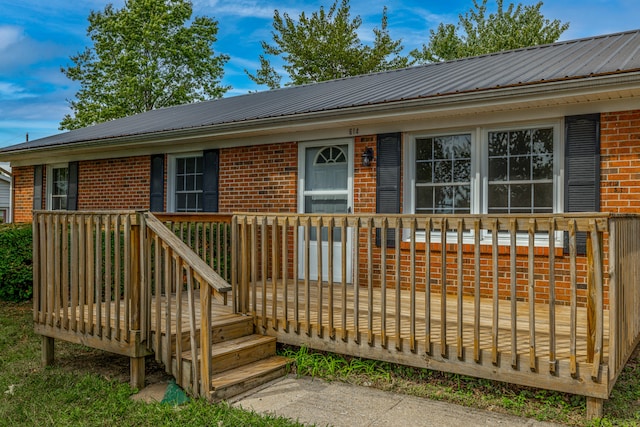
pixel 574 59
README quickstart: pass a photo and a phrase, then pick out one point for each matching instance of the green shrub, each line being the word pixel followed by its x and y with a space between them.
pixel 16 260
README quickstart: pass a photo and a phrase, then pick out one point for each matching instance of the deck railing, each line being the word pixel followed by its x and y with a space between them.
pixel 175 273
pixel 90 260
pixel 510 297
pixel 548 301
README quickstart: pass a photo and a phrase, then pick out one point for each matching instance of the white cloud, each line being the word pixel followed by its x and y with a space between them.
pixel 9 35
pixel 10 91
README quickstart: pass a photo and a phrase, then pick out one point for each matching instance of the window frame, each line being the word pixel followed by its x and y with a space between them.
pixel 171 177
pixel 480 177
pixel 49 189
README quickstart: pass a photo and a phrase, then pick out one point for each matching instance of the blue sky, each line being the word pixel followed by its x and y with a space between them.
pixel 37 37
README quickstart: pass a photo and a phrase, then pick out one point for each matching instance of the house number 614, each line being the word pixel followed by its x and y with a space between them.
pixel 354 131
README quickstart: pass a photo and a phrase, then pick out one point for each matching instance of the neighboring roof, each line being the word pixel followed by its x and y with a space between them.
pixel 569 60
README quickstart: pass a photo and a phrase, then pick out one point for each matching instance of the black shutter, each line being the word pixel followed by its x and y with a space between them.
pixel 37 187
pixel 388 174
pixel 156 186
pixel 72 187
pixel 211 168
pixel 582 169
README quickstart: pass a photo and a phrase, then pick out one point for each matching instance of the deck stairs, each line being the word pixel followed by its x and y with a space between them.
pixel 240 359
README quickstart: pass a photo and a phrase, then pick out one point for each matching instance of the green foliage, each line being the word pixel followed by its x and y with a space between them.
pixel 478 34
pixel 326 46
pixel 143 57
pixel 16 258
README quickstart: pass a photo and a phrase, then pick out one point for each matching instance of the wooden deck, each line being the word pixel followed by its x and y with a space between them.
pixel 512 310
pixel 342 322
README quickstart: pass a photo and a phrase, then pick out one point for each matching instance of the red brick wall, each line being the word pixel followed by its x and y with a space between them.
pixel 364 177
pixel 22 193
pixel 114 183
pixel 261 178
pixel 620 162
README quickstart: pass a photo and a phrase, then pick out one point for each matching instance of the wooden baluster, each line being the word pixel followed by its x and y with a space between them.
pixel 476 292
pixel 64 225
pixel 193 327
pixel 205 339
pixel 319 327
pixel 55 295
pixel 75 271
pixel 37 262
pixel 118 270
pixel 514 294
pixel 553 364
pixel 594 299
pixel 179 278
pixel 343 240
pixel 307 282
pixel 427 287
pixel 533 363
pixel 496 293
pixel 127 276
pixel 370 231
pixel 412 284
pixel 234 262
pixel 573 369
pixel 330 311
pixel 398 286
pixel 443 288
pixel 296 275
pixel 356 281
pixel 285 274
pixel 91 267
pixel 264 238
pixel 275 268
pixel 98 275
pixel 169 286
pixel 108 274
pixel 158 268
pixel 459 337
pixel 383 284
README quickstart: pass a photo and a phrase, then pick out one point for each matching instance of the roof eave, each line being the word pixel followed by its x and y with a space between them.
pixel 297 122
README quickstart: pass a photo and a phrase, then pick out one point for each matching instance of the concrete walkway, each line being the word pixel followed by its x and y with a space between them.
pixel 313 401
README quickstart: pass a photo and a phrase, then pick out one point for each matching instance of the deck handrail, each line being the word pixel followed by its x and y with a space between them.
pixel 212 278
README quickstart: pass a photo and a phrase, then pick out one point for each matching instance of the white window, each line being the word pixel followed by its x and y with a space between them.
pixel 185 183
pixel 510 170
pixel 520 171
pixel 57 187
pixel 443 174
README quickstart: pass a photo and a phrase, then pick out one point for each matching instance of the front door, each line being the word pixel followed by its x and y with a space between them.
pixel 326 188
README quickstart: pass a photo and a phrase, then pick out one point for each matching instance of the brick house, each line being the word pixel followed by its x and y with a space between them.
pixel 546 129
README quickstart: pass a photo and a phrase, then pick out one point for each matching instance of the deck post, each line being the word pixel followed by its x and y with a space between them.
pixel 136 372
pixel 47 350
pixel 595 408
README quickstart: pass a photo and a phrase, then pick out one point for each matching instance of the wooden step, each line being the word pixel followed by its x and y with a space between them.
pixel 237 352
pixel 242 379
pixel 241 351
pixel 223 327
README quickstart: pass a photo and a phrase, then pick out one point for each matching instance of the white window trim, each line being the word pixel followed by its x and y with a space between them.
pixel 49 178
pixel 480 181
pixel 301 170
pixel 171 176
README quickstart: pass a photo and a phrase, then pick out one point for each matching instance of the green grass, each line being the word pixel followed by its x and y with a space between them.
pixel 87 387
pixel 622 409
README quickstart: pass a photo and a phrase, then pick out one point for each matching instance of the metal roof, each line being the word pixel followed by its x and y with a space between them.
pixel 568 60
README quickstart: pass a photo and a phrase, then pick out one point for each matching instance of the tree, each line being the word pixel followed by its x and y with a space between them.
pixel 143 57
pixel 477 34
pixel 326 46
